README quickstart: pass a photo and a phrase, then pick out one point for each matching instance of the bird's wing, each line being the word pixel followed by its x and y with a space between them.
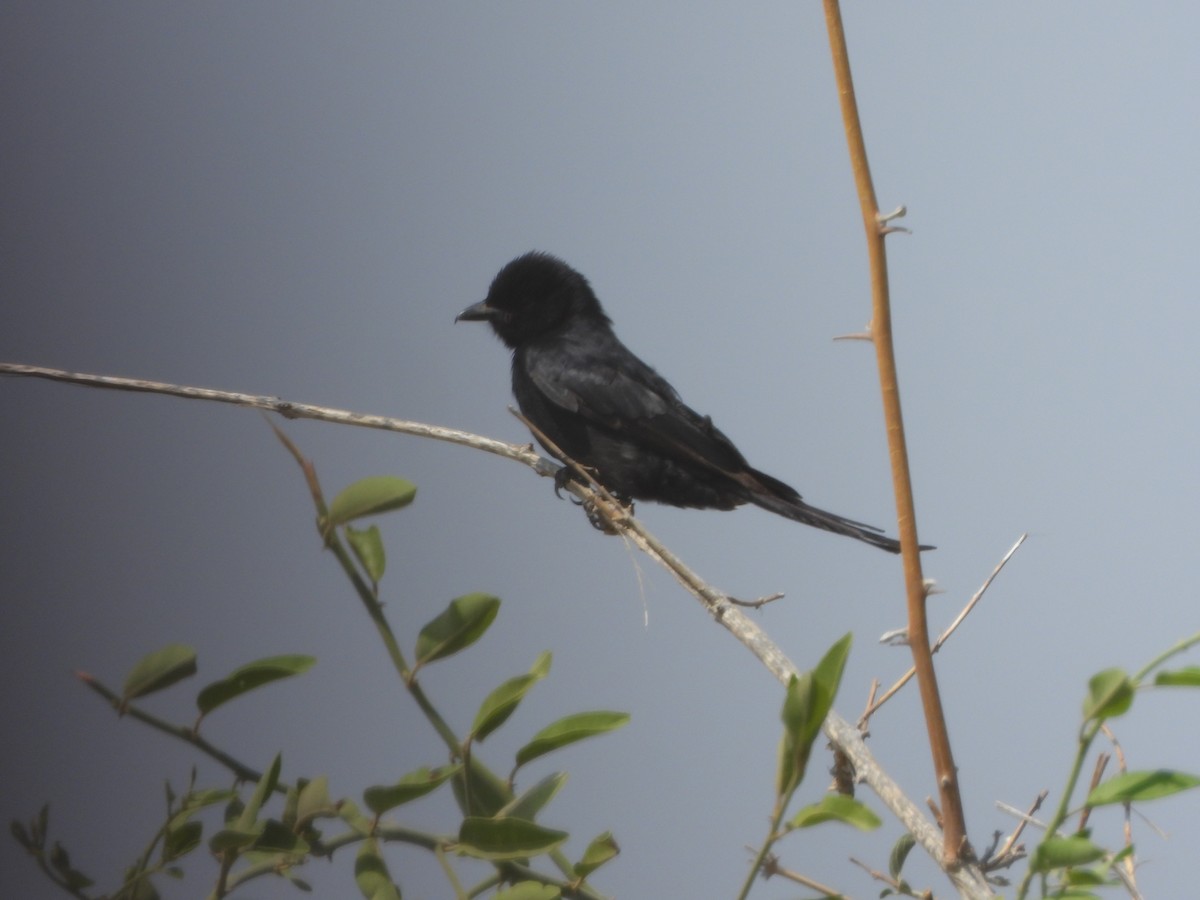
pixel 609 387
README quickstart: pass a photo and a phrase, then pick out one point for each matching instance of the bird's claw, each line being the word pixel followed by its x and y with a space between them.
pixel 561 479
pixel 599 520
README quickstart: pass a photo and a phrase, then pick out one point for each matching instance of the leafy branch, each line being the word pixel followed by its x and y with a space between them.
pixel 499 825
pixel 721 606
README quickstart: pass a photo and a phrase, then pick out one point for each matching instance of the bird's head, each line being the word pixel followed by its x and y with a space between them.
pixel 533 296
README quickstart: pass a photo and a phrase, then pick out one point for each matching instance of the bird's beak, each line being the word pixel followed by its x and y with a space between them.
pixel 477 312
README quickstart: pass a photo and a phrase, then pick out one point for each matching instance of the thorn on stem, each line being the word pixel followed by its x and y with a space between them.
pixel 882 220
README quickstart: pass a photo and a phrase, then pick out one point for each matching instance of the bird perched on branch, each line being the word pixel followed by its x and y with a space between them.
pixel 609 411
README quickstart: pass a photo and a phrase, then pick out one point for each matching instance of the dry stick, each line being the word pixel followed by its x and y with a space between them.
pixel 771 868
pixel 844 736
pixel 955 847
pixel 1130 861
pixel 1008 854
pixel 1102 761
pixel 873 705
pixel 889 880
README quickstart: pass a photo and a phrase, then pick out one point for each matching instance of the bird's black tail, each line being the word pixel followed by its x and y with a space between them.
pixel 772 494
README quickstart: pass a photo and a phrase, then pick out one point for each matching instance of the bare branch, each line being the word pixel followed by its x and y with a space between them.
pixel 523 453
pixel 944 636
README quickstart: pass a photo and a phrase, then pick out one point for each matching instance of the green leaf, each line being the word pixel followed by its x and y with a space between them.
pixel 140 888
pixel 1188 677
pixel 899 854
pixel 291 802
pixel 602 848
pixel 159 670
pixel 235 838
pixel 1137 787
pixel 461 624
pixel 278 838
pixel 314 801
pixel 415 784
pixel 479 791
pixel 500 703
pixel 1087 878
pixel 196 801
pixel 21 835
pixel 370 497
pixel 533 800
pixel 60 861
pixel 807 702
pixel 181 840
pixel 568 730
pixel 828 678
pixel 529 890
pixel 349 813
pixel 368 550
pixel 266 784
pixel 798 704
pixel 1110 693
pixel 371 874
pixel 251 676
pixel 837 808
pixel 1059 852
pixel 506 838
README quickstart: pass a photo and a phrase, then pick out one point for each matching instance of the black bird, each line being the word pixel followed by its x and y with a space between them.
pixel 610 411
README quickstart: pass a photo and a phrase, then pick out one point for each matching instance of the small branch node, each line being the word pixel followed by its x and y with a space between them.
pixel 756 604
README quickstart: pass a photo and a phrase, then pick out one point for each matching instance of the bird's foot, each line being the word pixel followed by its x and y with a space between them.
pixel 602 521
pixel 562 478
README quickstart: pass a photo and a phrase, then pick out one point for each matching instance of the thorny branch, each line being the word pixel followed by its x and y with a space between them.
pixel 956 849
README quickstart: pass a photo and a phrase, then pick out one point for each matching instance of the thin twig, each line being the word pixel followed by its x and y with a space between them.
pixel 771 867
pixel 872 708
pixel 889 880
pixel 1011 851
pixel 1025 818
pixel 1130 861
pixel 1102 760
pixel 523 453
pixel 187 735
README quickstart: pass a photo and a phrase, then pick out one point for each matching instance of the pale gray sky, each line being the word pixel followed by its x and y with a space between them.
pixel 296 198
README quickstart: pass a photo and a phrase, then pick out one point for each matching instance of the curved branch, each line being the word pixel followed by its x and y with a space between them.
pixel 719 604
pixel 522 453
